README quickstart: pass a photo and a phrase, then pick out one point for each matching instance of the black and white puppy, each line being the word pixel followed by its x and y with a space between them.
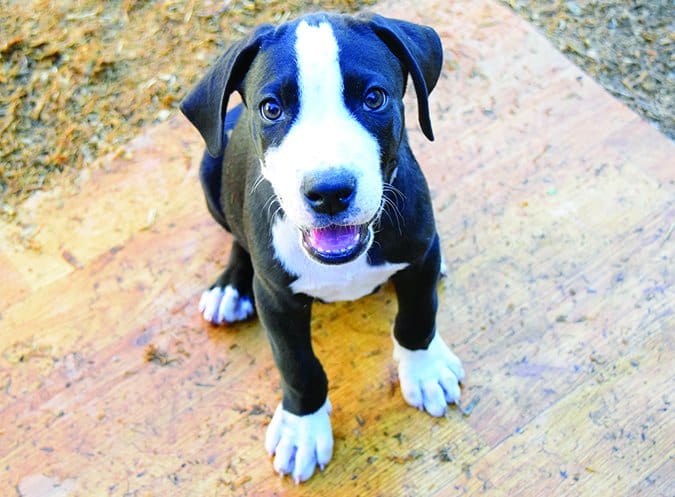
pixel 314 177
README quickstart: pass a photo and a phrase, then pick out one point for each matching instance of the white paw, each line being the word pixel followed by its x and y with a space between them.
pixel 220 306
pixel 300 443
pixel 429 378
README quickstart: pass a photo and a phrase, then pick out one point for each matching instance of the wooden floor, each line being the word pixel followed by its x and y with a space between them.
pixel 556 207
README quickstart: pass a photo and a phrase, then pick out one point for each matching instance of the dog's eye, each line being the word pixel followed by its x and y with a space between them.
pixel 374 99
pixel 271 110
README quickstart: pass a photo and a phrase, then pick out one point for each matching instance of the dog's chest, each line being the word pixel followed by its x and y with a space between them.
pixel 348 281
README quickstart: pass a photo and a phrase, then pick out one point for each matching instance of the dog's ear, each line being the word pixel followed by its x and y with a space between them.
pixel 206 104
pixel 420 51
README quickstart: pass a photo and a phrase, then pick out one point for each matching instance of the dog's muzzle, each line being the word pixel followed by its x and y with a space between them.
pixel 330 195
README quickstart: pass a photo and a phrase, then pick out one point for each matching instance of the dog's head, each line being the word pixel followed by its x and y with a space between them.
pixel 324 94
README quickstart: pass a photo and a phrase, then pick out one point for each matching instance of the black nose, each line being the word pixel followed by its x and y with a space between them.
pixel 329 192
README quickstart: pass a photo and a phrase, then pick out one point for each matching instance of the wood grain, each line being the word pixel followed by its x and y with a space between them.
pixel 556 208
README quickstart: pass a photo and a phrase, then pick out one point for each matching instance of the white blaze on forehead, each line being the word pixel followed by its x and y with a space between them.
pixel 319 75
pixel 324 135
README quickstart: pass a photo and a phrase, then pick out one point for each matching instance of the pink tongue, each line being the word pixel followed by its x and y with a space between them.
pixel 334 238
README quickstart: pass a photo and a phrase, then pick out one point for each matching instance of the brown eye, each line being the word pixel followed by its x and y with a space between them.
pixel 271 110
pixel 374 99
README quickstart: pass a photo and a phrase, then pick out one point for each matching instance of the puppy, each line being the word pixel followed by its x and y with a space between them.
pixel 313 176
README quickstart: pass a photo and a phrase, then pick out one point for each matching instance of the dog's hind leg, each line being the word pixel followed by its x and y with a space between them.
pixel 230 299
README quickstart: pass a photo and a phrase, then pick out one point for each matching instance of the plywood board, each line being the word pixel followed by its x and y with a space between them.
pixel 556 208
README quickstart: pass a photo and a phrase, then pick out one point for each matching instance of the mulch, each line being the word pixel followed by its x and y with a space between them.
pixel 627 46
pixel 80 78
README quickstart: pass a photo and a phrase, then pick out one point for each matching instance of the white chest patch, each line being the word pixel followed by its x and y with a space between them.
pixel 348 281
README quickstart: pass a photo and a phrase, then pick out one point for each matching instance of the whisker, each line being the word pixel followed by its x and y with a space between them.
pixel 274 214
pixel 257 183
pixel 397 193
pixel 270 202
pixel 391 208
pixel 268 205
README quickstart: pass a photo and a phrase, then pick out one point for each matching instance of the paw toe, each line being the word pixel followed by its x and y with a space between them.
pixel 305 462
pixel 434 398
pixel 284 456
pixel 273 434
pixel 209 303
pixel 450 385
pixel 324 449
pixel 455 366
pixel 412 393
pixel 228 304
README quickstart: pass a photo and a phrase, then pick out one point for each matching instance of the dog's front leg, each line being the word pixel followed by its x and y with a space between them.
pixel 300 435
pixel 428 371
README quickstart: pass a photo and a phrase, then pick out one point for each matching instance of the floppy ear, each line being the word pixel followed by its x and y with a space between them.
pixel 206 104
pixel 420 51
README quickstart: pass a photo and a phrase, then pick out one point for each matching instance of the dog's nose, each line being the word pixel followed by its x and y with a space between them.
pixel 329 192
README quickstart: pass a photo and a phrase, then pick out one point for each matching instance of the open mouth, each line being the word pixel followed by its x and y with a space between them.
pixel 336 244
